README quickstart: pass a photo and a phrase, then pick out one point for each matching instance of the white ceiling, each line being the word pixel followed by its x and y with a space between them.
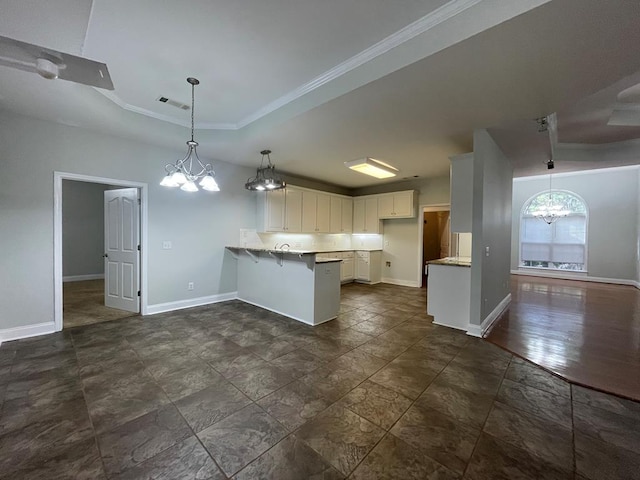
pixel 323 82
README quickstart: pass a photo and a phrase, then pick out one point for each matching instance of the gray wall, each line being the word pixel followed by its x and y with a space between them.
pixel 199 225
pixel 82 228
pixel 611 196
pixel 492 191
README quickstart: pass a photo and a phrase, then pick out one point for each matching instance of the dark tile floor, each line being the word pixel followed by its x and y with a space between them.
pixel 230 390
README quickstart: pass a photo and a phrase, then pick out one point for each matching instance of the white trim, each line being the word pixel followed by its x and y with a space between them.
pixel 81 278
pixel 419 27
pixel 403 283
pixel 481 330
pixel 433 207
pixel 189 303
pixel 17 333
pixel 286 314
pixel 580 172
pixel 57 237
pixel 573 276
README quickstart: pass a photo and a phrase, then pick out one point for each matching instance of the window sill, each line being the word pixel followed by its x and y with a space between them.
pixel 577 273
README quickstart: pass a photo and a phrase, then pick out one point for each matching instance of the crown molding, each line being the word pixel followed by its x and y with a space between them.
pixel 420 26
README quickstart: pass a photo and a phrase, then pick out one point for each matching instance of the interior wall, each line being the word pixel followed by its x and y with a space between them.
pixel 82 228
pixel 492 195
pixel 611 196
pixel 198 225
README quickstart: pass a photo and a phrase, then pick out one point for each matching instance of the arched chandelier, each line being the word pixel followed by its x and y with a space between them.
pixel 186 172
pixel 552 210
pixel 266 177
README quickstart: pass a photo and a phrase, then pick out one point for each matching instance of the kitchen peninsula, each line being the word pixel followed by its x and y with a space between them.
pixel 449 291
pixel 293 283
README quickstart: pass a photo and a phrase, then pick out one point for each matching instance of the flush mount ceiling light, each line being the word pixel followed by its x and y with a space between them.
pixel 266 177
pixel 184 173
pixel 372 167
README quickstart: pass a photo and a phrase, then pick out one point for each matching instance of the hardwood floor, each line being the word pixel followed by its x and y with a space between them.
pixel 83 304
pixel 588 333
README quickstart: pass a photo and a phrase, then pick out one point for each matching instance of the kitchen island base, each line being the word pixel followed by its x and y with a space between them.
pixel 289 283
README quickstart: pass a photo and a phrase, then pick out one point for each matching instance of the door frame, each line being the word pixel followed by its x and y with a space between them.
pixel 58 177
pixel 432 207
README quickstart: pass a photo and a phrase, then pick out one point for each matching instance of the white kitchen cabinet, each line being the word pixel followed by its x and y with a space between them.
pixel 347 270
pixel 461 193
pixel 340 214
pixel 365 215
pixel 283 210
pixel 315 212
pixel 368 266
pixel 397 205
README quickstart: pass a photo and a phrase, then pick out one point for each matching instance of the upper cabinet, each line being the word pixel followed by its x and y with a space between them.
pixel 341 214
pixel 365 215
pixel 397 205
pixel 315 211
pixel 283 210
pixel 461 193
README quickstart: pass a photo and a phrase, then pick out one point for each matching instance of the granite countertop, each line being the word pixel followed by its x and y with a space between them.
pixel 328 260
pixel 453 261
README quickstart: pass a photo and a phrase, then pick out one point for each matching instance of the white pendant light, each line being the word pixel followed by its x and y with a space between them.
pixel 184 173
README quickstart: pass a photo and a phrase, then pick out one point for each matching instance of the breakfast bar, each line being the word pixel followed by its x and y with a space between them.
pixel 293 283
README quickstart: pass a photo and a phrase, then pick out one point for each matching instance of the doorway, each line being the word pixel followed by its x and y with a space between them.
pixel 79 284
pixel 436 235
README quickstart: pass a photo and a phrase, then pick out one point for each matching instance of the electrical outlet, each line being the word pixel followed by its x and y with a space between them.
pixel 388 264
pixel 190 286
pixel 166 245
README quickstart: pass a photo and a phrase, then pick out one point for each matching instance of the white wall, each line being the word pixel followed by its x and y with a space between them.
pixel 199 225
pixel 82 228
pixel 611 196
pixel 492 187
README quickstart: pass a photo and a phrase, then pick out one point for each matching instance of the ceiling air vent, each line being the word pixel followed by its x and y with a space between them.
pixel 173 103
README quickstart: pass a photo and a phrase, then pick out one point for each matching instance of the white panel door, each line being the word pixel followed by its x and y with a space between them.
pixel 122 257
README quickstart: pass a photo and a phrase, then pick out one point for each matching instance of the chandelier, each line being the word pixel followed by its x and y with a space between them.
pixel 552 209
pixel 266 177
pixel 184 173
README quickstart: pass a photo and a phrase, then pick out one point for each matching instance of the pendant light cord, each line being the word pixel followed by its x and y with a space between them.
pixel 192 108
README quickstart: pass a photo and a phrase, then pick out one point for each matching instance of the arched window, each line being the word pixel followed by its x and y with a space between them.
pixel 561 244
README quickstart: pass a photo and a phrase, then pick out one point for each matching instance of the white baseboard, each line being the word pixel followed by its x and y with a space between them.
pixel 80 278
pixel 403 283
pixel 481 330
pixel 284 314
pixel 191 302
pixel 27 331
pixel 575 276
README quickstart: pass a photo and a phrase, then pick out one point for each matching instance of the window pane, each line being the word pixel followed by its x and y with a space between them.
pixel 567 253
pixel 537 252
pixel 535 230
pixel 570 230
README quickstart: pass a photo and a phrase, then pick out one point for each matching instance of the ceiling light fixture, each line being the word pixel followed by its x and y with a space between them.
pixel 266 177
pixel 184 173
pixel 553 209
pixel 372 167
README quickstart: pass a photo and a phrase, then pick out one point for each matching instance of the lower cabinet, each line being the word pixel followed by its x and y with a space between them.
pixel 348 268
pixel 368 266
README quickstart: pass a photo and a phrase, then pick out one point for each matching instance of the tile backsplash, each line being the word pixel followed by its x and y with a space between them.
pixel 310 241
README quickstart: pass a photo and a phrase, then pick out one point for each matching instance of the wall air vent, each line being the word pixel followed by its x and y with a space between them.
pixel 173 103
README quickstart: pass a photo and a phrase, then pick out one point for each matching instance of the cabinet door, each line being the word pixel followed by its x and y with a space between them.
pixel 362 266
pixel 385 206
pixel 274 206
pixel 335 215
pixel 403 204
pixel 309 211
pixel 359 215
pixel 347 216
pixel 323 207
pixel 293 211
pixel 371 221
pixel 347 269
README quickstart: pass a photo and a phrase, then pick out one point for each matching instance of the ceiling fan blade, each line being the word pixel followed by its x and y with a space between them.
pixel 22 55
